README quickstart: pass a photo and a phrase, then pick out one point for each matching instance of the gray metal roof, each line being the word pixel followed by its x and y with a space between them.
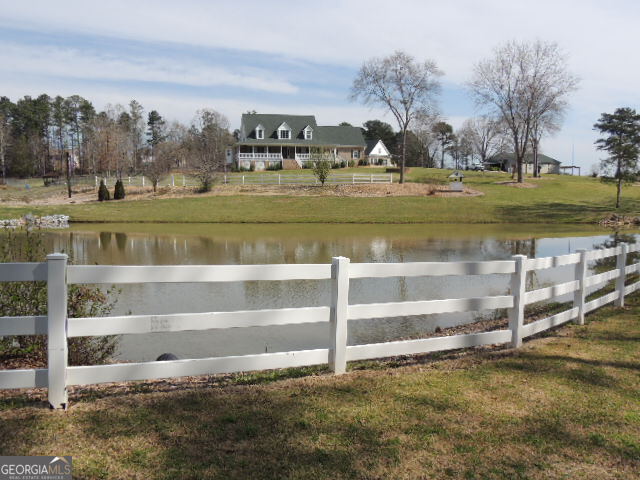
pixel 322 135
pixel 528 158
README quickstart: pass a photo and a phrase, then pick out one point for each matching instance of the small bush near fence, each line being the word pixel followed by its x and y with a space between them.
pixel 321 170
pixel 30 298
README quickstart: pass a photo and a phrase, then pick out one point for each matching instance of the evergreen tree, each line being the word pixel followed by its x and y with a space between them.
pixel 622 143
pixel 118 190
pixel 103 192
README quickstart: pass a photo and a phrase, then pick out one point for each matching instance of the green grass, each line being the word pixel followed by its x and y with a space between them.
pixel 557 199
pixel 564 406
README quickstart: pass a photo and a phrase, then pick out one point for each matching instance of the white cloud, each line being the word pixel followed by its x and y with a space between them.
pixel 74 63
pixel 595 35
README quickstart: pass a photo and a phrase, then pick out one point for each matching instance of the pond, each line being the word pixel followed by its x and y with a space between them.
pixel 154 244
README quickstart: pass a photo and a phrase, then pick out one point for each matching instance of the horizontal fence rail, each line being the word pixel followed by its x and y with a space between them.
pixel 306 179
pixel 59 328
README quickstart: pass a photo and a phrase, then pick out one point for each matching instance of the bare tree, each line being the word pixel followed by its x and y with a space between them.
pixel 486 134
pixel 209 136
pixel 407 88
pixel 427 138
pixel 522 83
pixel 546 124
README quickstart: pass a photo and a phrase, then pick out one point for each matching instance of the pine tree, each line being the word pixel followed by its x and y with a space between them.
pixel 622 143
pixel 103 192
pixel 118 190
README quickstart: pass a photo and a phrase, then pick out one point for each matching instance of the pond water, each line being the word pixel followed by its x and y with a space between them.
pixel 153 244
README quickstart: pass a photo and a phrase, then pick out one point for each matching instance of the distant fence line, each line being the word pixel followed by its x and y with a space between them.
pixel 59 328
pixel 181 180
pixel 306 179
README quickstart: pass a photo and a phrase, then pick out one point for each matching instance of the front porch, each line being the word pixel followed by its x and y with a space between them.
pixel 264 157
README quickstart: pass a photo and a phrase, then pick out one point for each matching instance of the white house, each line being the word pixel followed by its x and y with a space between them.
pixel 377 153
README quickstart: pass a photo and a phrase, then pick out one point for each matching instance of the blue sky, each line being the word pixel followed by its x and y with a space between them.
pixel 292 57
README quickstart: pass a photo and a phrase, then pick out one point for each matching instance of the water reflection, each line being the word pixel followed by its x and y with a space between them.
pixel 251 244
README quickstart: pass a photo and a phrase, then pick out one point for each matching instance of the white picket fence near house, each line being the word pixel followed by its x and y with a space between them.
pixel 55 271
pixel 307 179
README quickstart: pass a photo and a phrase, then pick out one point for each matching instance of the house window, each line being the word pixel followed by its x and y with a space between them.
pixel 307 134
pixel 355 154
pixel 260 134
pixel 284 134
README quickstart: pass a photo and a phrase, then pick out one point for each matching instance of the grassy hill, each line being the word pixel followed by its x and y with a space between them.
pixel 553 199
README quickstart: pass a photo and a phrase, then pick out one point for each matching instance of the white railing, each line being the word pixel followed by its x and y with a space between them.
pixel 260 156
pixel 302 179
pixel 303 156
pixel 58 328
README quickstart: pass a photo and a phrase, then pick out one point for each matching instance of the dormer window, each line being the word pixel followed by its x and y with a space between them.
pixel 308 133
pixel 260 132
pixel 284 131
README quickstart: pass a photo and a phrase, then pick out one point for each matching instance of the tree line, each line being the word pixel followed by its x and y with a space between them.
pixel 522 88
pixel 66 136
pixel 431 142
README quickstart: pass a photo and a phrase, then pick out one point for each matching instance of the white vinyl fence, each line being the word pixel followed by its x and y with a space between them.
pixel 59 328
pixel 180 180
pixel 307 179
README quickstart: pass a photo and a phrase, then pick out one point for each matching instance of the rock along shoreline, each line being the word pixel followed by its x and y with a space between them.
pixel 32 221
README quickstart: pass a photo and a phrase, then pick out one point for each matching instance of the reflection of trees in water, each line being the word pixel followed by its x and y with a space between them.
pixel 121 241
pixel 105 240
pixel 180 249
pixel 615 239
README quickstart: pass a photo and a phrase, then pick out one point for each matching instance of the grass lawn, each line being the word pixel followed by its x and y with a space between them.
pixel 557 199
pixel 566 405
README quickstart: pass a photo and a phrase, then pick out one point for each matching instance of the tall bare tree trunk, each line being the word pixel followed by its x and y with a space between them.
pixel 404 152
pixel 68 167
pixel 619 191
pixel 534 148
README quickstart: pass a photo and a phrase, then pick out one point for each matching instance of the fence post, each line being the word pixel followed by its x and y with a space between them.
pixel 278 179
pixel 516 314
pixel 243 179
pixel 581 293
pixel 57 330
pixel 129 180
pixel 184 180
pixel 338 318
pixel 371 178
pixel 621 263
pixel 173 181
pixel 96 177
pixel 143 180
pixel 353 179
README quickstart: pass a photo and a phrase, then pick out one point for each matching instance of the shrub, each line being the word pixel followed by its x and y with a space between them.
pixel 103 192
pixel 274 166
pixel 30 298
pixel 118 190
pixel 252 168
pixel 351 163
pixel 321 170
pixel 335 165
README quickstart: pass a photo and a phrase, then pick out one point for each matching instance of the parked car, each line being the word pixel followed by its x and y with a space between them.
pixel 477 167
